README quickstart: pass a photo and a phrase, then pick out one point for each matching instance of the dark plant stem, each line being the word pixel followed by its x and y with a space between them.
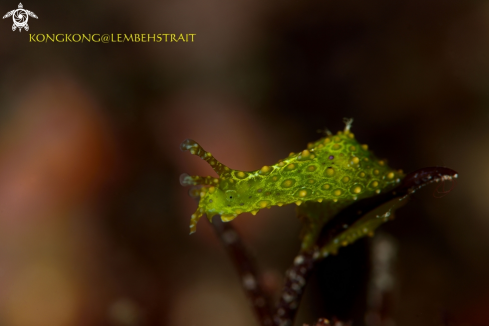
pixel 296 279
pixel 410 184
pixel 247 270
pixel 298 274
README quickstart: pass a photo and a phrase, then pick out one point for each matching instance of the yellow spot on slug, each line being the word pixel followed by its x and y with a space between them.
pixel 291 166
pixel 298 203
pixel 376 172
pixel 241 174
pixel 326 186
pixel 329 172
pixel 375 184
pixel 362 174
pixel 390 175
pixel 336 146
pixel 365 147
pixel 345 179
pixel 311 168
pixel 303 193
pixel 327 140
pixel 357 189
pixel 353 148
pixel 265 169
pixel 254 212
pixel 344 243
pixel 336 139
pixel 280 204
pixel 311 181
pixel 264 203
pixel 355 160
pixel 238 211
pixel 227 217
pixel 305 153
pixel 381 162
pixel 288 183
pixel 320 200
pixel 274 178
pixel 337 192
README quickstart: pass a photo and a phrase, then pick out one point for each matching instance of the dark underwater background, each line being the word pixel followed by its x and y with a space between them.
pixel 94 222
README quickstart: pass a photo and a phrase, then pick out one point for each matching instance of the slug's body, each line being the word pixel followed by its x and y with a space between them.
pixel 335 170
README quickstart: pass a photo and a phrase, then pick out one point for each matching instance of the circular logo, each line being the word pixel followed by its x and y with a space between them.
pixel 20 17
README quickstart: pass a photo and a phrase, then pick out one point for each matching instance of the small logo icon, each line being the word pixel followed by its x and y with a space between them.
pixel 20 17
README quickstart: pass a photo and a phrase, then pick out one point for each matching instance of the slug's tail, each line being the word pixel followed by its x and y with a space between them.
pixel 196 149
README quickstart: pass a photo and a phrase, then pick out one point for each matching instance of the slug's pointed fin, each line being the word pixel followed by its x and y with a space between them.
pixel 196 149
pixel 348 122
pixel 196 217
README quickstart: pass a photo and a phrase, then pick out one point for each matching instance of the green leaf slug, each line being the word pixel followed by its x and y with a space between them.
pixel 336 170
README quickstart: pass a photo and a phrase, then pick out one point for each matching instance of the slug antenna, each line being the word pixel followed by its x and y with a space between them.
pixel 195 180
pixel 196 149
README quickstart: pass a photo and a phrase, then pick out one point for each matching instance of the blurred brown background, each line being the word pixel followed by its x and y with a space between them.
pixel 94 222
